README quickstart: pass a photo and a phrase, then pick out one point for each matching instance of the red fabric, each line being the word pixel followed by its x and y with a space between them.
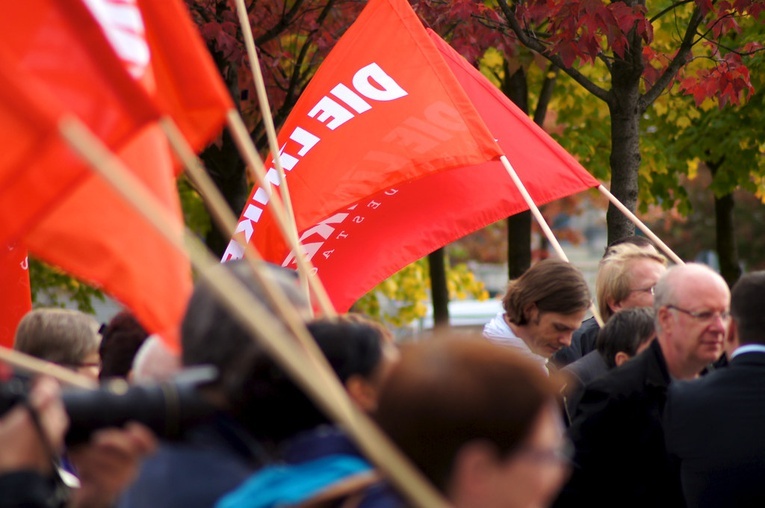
pixel 81 76
pixel 188 85
pixel 360 246
pixel 86 228
pixel 397 114
pixel 15 297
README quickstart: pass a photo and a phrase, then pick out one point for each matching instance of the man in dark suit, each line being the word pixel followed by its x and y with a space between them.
pixel 714 426
pixel 620 455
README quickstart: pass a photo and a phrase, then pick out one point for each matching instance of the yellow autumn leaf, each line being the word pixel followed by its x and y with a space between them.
pixel 693 168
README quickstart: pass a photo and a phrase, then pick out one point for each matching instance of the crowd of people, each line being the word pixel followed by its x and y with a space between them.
pixel 659 404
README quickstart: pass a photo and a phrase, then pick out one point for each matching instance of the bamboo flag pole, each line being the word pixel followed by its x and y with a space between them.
pixel 268 123
pixel 650 234
pixel 220 209
pixel 265 108
pixel 252 160
pixel 262 325
pixel 227 222
pixel 542 223
pixel 44 368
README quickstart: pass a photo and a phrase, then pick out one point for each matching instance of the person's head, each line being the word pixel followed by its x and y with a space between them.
pixel 479 421
pixel 638 241
pixel 626 278
pixel 211 335
pixel 154 362
pixel 747 309
pixel 691 303
pixel 63 336
pixel 360 351
pixel 626 334
pixel 548 302
pixel 120 341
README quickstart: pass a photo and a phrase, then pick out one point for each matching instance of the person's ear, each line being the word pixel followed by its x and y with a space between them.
pixel 473 470
pixel 664 317
pixel 614 305
pixel 621 358
pixel 731 338
pixel 531 312
pixel 362 393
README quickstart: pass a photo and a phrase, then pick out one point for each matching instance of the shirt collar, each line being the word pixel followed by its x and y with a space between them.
pixel 748 348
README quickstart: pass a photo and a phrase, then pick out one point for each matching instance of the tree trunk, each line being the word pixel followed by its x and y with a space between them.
pixel 625 140
pixel 438 288
pixel 224 164
pixel 725 238
pixel 226 168
pixel 518 225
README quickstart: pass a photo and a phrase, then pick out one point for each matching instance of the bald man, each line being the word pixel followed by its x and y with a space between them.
pixel 617 431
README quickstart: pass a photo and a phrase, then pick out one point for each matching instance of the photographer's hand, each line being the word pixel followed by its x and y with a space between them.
pixel 109 463
pixel 31 433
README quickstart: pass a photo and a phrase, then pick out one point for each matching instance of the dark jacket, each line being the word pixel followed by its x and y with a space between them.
pixel 579 374
pixel 716 427
pixel 620 457
pixel 582 342
pixel 214 459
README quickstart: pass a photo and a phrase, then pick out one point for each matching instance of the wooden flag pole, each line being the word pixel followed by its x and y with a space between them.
pixel 252 159
pixel 227 222
pixel 41 367
pixel 221 211
pixel 262 325
pixel 268 123
pixel 265 108
pixel 650 234
pixel 543 224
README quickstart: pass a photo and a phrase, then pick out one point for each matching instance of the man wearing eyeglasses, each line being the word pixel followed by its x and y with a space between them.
pixel 727 468
pixel 627 275
pixel 617 431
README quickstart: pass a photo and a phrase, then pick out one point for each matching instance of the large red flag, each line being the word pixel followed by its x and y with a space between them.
pixel 359 246
pixel 88 81
pixel 88 230
pixel 15 295
pixel 382 109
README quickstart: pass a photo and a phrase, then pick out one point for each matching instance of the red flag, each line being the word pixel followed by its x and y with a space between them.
pixel 85 78
pixel 88 230
pixel 383 108
pixel 359 246
pixel 188 85
pixel 15 295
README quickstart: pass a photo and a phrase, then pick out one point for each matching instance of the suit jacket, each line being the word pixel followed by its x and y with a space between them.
pixel 716 427
pixel 620 457
pixel 581 373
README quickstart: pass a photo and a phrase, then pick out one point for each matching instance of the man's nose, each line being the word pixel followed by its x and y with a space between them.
pixel 565 339
pixel 719 323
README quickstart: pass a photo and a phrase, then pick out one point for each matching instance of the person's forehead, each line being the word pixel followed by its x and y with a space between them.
pixel 572 319
pixel 702 289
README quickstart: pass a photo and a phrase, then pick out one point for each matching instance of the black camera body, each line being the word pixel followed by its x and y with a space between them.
pixel 166 408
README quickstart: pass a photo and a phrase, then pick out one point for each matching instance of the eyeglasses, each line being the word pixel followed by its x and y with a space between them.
pixel 649 289
pixel 706 315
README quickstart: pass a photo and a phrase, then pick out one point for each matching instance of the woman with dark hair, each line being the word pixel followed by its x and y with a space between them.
pixel 314 454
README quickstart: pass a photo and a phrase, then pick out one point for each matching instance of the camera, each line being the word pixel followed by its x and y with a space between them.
pixel 166 408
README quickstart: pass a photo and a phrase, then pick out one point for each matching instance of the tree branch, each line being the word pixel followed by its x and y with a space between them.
pixel 674 66
pixel 548 86
pixel 669 9
pixel 536 45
